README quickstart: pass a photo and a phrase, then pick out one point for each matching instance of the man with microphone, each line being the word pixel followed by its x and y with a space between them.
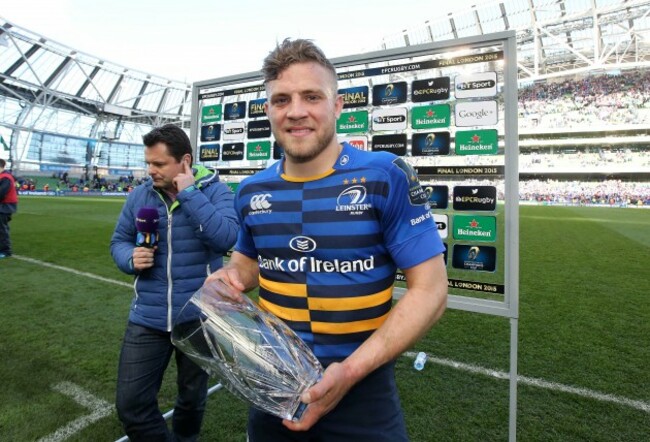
pixel 172 232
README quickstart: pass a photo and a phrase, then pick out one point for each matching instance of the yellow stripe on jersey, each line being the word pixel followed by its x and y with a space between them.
pixel 284 288
pixel 354 303
pixel 295 179
pixel 341 328
pixel 289 314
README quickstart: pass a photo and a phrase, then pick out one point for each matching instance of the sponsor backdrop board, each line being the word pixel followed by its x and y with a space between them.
pixel 449 109
pixel 448 115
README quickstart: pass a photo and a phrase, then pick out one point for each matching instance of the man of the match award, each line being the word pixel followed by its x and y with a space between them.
pixel 255 355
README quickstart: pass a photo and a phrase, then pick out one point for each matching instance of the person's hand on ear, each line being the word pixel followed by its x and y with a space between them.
pixel 184 179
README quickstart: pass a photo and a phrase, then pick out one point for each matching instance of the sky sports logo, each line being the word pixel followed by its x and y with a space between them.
pixel 476 113
pixel 482 84
pixel 483 198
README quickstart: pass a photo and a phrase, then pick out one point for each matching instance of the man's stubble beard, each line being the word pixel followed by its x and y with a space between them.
pixel 301 155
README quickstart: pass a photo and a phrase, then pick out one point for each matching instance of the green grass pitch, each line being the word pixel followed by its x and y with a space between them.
pixel 584 334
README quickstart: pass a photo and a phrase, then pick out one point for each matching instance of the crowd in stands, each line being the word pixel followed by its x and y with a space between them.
pixel 596 99
pixel 62 182
pixel 608 192
pixel 601 161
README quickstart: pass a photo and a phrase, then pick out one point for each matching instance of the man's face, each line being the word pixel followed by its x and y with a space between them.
pixel 161 166
pixel 303 108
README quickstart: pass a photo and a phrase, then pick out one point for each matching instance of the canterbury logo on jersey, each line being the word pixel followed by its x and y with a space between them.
pixel 259 204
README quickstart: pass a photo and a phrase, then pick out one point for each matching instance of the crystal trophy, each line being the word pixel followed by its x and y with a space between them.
pixel 256 355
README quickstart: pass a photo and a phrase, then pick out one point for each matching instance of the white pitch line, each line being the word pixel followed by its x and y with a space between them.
pixel 99 409
pixel 73 271
pixel 524 380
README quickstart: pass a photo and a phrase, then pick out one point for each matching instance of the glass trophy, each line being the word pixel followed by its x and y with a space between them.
pixel 256 355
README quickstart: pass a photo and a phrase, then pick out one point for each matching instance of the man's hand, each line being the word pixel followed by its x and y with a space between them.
pixel 322 397
pixel 184 179
pixel 225 282
pixel 143 258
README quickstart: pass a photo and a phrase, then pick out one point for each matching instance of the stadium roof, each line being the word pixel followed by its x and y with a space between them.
pixel 554 37
pixel 47 86
pixel 41 72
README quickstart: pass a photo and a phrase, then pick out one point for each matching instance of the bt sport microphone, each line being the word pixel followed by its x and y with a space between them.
pixel 146 223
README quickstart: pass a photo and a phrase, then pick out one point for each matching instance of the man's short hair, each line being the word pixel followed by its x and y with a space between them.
pixel 3 163
pixel 294 51
pixel 177 141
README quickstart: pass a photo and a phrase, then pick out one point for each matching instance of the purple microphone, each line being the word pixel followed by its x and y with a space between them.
pixel 146 223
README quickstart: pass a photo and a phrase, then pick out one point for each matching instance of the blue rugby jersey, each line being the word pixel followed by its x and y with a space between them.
pixel 328 246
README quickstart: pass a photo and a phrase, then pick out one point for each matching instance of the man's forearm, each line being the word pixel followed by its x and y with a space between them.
pixel 417 311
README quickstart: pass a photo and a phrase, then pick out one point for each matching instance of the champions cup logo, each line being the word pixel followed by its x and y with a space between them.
pixel 390 93
pixel 235 110
pixel 471 257
pixel 429 140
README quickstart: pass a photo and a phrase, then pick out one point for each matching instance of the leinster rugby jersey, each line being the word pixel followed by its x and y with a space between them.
pixel 328 246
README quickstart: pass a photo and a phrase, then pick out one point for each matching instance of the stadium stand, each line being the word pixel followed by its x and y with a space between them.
pixel 584 105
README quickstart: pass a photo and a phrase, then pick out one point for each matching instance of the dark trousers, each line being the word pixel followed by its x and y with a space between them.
pixel 144 357
pixel 370 412
pixel 5 241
